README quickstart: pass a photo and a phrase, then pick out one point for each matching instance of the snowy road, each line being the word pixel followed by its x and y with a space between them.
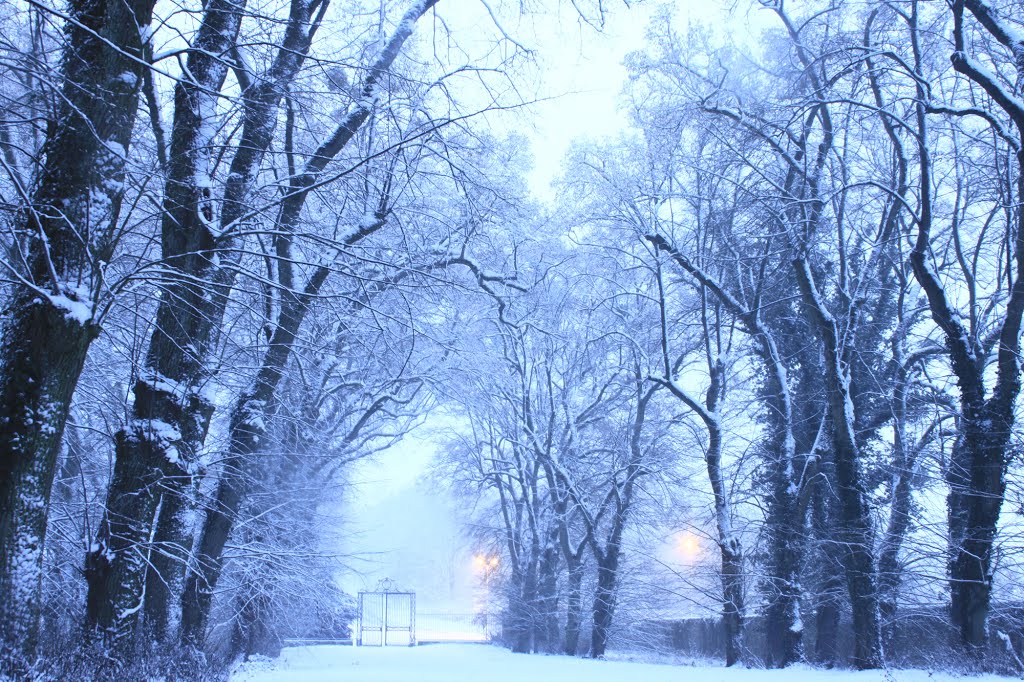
pixel 481 663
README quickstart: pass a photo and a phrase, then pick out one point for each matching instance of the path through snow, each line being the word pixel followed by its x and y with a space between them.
pixel 482 663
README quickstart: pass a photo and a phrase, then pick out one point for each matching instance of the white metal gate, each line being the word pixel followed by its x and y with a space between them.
pixel 387 618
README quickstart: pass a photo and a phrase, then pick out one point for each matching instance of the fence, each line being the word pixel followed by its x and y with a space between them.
pixel 919 637
pixel 391 618
pixel 316 641
pixel 457 627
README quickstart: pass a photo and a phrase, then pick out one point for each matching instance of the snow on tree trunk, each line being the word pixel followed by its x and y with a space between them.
pixel 73 218
pixel 828 597
pixel 191 309
pixel 977 469
pixel 604 601
pixel 253 409
pixel 573 609
pixel 784 524
pixel 855 532
pixel 155 453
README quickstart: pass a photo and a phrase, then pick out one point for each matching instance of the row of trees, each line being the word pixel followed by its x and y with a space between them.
pixel 560 414
pixel 219 227
pixel 805 262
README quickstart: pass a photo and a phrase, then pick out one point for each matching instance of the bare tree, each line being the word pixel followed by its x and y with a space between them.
pixel 118 586
pixel 67 227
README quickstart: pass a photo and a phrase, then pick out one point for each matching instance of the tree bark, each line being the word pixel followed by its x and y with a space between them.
pixel 253 409
pixel 829 588
pixel 977 469
pixel 574 609
pixel 547 601
pixel 169 554
pixel 854 523
pixel 732 603
pixel 785 558
pixel 604 601
pixel 827 616
pixel 156 449
pixel 72 218
pixel 169 392
pixel 785 523
pixel 519 616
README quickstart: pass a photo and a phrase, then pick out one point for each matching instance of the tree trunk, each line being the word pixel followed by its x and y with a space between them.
pixel 977 472
pixel 547 601
pixel 49 328
pixel 609 557
pixel 156 449
pixel 247 429
pixel 248 421
pixel 854 522
pixel 728 542
pixel 786 546
pixel 522 595
pixel 170 390
pixel 828 593
pixel 785 526
pixel 827 614
pixel 604 602
pixel 974 516
pixel 732 604
pixel 784 521
pixel 574 609
pixel 44 353
pixel 103 568
pixel 171 547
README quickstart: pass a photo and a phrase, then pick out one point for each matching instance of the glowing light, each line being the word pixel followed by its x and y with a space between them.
pixel 485 563
pixel 688 545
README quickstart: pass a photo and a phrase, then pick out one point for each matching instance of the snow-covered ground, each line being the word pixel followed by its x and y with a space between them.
pixel 483 663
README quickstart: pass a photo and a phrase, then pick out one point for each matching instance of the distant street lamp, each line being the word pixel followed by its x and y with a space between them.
pixel 486 565
pixel 688 545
